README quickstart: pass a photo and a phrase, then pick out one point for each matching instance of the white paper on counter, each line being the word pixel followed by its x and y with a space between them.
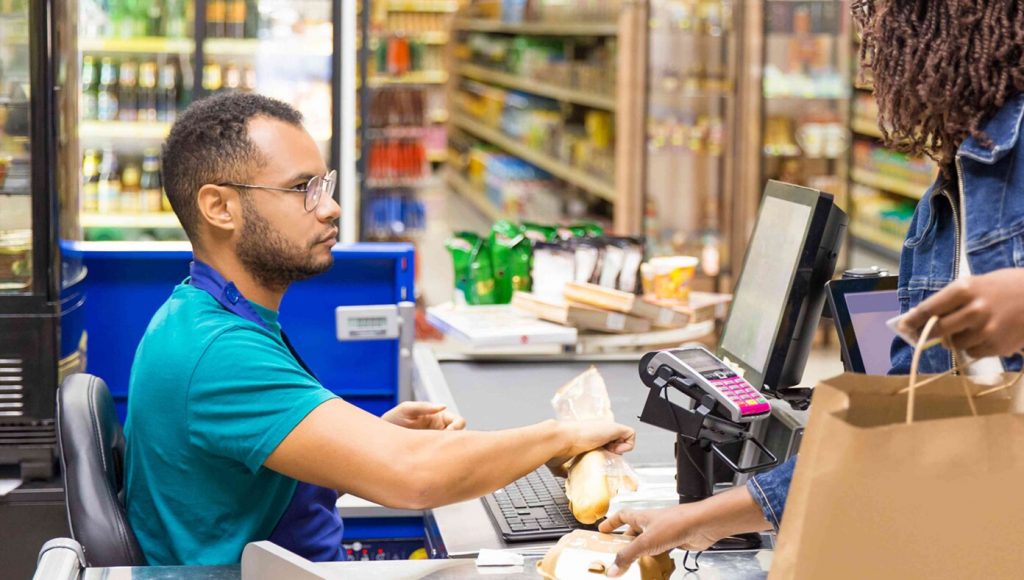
pixel 9 485
pixel 574 564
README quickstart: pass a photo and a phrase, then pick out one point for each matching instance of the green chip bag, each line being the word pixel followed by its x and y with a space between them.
pixel 462 248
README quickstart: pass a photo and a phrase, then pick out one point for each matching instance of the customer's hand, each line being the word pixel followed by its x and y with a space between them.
pixel 692 526
pixel 423 415
pixel 980 315
pixel 583 436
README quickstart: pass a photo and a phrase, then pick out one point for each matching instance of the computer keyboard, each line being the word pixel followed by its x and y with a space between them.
pixel 532 508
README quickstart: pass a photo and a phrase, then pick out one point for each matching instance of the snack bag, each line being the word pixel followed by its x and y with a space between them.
pixel 597 476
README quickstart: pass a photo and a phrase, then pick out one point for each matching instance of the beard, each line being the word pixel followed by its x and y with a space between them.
pixel 273 260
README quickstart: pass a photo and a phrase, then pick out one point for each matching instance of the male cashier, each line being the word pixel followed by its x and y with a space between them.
pixel 231 438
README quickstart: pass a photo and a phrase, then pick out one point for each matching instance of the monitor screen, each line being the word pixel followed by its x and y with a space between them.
pixel 868 312
pixel 699 360
pixel 763 290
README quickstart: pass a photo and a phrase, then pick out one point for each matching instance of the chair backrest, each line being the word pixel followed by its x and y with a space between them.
pixel 92 457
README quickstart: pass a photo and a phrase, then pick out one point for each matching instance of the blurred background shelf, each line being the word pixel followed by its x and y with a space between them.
pixel 528 85
pixel 473 195
pixel 539 28
pixel 123 130
pixel 577 177
pixel 138 45
pixel 886 183
pixel 130 220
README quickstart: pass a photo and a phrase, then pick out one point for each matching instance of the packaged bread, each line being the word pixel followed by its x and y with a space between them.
pixel 594 479
pixel 587 555
pixel 597 476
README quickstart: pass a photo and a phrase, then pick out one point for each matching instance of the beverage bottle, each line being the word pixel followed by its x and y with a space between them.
pixel 121 18
pixel 234 25
pixel 155 18
pixel 175 21
pixel 106 99
pixel 167 94
pixel 248 79
pixel 131 178
pixel 212 79
pixel 152 188
pixel 127 95
pixel 252 20
pixel 90 88
pixel 90 180
pixel 232 77
pixel 108 190
pixel 216 12
pixel 147 108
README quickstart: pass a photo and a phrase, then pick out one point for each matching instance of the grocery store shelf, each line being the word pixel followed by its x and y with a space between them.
pixel 876 241
pixel 144 45
pixel 559 169
pixel 538 28
pixel 129 220
pixel 437 156
pixel 422 6
pixel 886 183
pixel 473 195
pixel 252 46
pixel 534 87
pixel 427 77
pixel 864 127
pixel 436 37
pixel 123 130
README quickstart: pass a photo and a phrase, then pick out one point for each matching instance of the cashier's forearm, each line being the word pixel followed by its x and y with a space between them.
pixel 450 467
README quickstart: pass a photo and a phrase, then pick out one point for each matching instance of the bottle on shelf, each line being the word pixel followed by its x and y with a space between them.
pixel 155 18
pixel 127 95
pixel 213 79
pixel 108 190
pixel 252 20
pixel 234 22
pixel 167 93
pixel 106 99
pixel 249 79
pixel 232 77
pixel 90 88
pixel 216 14
pixel 90 180
pixel 147 94
pixel 151 185
pixel 175 19
pixel 131 189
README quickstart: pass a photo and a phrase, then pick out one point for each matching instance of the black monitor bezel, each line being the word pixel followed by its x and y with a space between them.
pixel 821 204
pixel 836 291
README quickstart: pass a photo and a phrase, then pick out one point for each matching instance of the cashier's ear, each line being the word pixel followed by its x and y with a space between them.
pixel 219 209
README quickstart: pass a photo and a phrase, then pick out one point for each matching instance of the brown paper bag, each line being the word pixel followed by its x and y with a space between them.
pixel 876 496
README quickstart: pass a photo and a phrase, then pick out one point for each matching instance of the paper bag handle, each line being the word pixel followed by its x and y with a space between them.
pixel 914 384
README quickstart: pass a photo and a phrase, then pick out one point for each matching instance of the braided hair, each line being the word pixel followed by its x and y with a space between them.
pixel 941 68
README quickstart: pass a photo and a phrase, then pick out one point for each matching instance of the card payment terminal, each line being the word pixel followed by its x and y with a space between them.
pixel 743 403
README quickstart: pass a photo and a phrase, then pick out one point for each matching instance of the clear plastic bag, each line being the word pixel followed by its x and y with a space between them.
pixel 585 398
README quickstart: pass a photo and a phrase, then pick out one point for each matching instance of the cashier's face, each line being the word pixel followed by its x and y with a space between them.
pixel 280 242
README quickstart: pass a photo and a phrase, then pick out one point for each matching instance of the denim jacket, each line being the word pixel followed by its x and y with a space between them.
pixel 992 181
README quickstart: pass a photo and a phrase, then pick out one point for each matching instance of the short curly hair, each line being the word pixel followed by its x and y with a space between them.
pixel 209 143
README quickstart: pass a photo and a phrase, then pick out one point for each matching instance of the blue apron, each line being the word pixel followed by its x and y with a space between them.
pixel 310 526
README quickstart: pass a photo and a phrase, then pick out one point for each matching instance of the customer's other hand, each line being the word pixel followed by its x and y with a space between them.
pixel 658 531
pixel 981 315
pixel 423 415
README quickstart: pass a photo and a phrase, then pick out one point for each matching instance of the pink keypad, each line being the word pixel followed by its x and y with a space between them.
pixel 746 398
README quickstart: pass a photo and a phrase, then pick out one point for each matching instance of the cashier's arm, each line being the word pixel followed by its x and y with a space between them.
pixel 343 447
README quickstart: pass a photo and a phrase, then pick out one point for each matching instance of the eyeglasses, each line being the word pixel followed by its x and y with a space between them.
pixel 315 189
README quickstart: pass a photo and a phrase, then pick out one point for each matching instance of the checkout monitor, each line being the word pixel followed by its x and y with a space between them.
pixel 780 293
pixel 860 307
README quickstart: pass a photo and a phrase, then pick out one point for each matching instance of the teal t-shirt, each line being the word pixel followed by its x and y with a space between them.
pixel 211 396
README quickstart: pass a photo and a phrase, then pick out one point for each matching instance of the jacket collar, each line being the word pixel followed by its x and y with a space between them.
pixel 1003 129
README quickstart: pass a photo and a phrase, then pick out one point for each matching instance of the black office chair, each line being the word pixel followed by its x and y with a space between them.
pixel 92 460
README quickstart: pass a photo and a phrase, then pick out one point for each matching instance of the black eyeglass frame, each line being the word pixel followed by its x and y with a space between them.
pixel 314 189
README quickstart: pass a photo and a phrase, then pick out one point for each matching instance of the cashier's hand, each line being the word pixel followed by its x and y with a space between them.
pixel 981 315
pixel 583 436
pixel 423 415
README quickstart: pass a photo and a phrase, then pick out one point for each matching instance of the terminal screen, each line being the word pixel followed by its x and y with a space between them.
pixel 762 293
pixel 868 313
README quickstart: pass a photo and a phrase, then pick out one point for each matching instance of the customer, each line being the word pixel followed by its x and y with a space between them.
pixel 949 81
pixel 231 439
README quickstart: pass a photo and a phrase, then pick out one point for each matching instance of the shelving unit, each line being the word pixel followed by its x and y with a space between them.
pixel 553 166
pixel 99 130
pixel 606 175
pixel 485 75
pixel 886 183
pixel 162 220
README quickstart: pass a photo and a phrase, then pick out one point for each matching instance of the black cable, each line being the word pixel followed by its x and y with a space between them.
pixel 696 563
